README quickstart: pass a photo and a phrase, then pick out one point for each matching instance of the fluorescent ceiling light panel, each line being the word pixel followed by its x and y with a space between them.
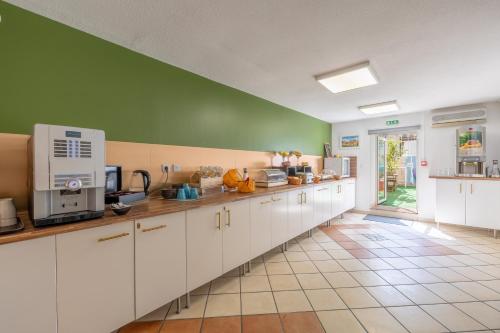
pixel 352 77
pixel 379 108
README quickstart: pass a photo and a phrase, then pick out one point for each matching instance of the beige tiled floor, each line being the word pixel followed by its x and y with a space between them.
pixel 360 276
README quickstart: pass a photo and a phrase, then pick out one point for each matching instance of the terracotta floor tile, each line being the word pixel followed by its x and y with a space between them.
pixel 301 322
pixel 182 326
pixel 141 327
pixel 336 236
pixel 361 253
pixel 350 245
pixel 222 325
pixel 268 323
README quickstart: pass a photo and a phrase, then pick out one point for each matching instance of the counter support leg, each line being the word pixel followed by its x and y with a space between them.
pixel 494 233
pixel 249 266
pixel 188 300
pixel 178 301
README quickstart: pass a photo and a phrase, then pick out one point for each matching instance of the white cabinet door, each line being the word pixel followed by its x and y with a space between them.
pixel 160 261
pixel 28 286
pixel 294 213
pixel 308 209
pixel 260 225
pixel 337 198
pixel 450 201
pixel 349 194
pixel 236 235
pixel 204 245
pixel 322 203
pixel 483 205
pixel 279 219
pixel 95 279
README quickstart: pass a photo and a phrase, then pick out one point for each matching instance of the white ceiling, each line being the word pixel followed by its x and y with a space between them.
pixel 426 53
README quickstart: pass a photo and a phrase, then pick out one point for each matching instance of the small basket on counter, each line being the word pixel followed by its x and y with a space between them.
pixel 294 180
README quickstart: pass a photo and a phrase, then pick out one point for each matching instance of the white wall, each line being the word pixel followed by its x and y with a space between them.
pixel 436 145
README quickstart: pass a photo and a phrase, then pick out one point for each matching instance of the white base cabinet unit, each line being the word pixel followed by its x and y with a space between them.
pixel 28 286
pixel 322 203
pixel 343 196
pixel 279 219
pixel 450 201
pixel 294 212
pixel 307 209
pixel 468 202
pixel 95 279
pixel 348 189
pixel 300 211
pixel 268 222
pixel 204 245
pixel 218 240
pixel 236 235
pixel 160 261
pixel 260 225
pixel 482 207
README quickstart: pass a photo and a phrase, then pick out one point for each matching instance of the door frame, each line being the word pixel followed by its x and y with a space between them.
pixel 418 140
pixel 377 165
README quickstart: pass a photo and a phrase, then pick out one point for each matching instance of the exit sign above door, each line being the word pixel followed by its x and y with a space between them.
pixel 392 122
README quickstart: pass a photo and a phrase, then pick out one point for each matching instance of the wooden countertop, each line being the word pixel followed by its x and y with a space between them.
pixel 147 208
pixel 465 177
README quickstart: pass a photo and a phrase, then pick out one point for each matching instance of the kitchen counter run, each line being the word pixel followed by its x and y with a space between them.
pixel 464 177
pixel 148 208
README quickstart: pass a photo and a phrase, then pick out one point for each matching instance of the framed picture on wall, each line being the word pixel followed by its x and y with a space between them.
pixel 349 141
pixel 328 150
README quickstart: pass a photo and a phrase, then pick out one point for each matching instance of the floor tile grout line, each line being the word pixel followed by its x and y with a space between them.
pixel 274 299
pixel 384 307
pixel 349 272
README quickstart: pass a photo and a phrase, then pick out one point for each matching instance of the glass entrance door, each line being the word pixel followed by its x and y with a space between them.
pixel 381 169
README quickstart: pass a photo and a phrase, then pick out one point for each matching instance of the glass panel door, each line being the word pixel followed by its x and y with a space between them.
pixel 381 169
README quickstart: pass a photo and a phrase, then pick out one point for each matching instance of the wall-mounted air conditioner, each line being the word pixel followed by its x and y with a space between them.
pixel 458 116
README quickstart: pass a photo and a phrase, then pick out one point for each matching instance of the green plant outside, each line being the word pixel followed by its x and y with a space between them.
pixel 393 155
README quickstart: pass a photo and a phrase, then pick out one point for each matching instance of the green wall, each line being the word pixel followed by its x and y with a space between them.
pixel 50 73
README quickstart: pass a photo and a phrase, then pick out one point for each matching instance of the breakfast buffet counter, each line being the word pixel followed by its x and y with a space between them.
pixel 151 207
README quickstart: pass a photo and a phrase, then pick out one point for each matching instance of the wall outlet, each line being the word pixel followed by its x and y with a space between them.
pixel 164 168
pixel 176 167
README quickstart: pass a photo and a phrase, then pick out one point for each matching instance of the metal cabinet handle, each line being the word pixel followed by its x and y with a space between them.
pixel 228 212
pixel 265 202
pixel 323 189
pixel 305 197
pixel 471 189
pixel 155 228
pixel 301 197
pixel 460 188
pixel 103 239
pixel 218 220
pixel 273 199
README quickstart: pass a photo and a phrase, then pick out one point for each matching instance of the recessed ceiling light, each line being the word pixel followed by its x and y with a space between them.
pixel 348 78
pixel 379 108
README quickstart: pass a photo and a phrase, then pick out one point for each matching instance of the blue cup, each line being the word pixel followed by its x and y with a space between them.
pixel 181 194
pixel 187 190
pixel 194 193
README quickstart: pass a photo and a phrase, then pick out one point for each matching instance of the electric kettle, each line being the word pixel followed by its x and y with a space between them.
pixel 146 179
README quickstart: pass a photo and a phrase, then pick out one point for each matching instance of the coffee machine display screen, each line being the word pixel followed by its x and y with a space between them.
pixel 73 134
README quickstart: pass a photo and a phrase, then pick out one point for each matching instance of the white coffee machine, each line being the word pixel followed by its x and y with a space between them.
pixel 67 174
